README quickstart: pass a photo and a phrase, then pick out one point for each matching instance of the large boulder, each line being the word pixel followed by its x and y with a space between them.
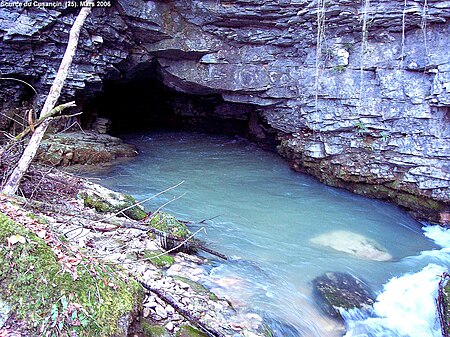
pixel 341 291
pixel 105 200
pixel 64 149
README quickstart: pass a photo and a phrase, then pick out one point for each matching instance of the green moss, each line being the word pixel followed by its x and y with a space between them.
pixel 161 261
pixel 189 331
pixel 44 295
pixel 213 296
pixel 339 68
pixel 136 213
pixel 153 330
pixel 95 202
pixel 169 224
pixel 38 218
pixel 404 199
pixel 102 204
pixel 410 200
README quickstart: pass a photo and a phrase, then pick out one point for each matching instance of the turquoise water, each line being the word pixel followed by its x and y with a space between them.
pixel 266 217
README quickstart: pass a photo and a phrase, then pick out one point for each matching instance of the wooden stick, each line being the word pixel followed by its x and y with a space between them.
pixel 185 313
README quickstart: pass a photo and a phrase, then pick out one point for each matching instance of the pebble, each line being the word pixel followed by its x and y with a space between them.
pixel 170 310
pixel 150 304
pixel 169 326
pixel 160 311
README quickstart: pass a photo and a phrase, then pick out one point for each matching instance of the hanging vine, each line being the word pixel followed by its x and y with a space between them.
pixel 319 44
pixel 366 7
pixel 423 26
pixel 402 55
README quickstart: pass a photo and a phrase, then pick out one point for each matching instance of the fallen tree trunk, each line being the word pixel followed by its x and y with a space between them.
pixel 196 321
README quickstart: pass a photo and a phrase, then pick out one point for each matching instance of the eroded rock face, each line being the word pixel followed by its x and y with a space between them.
pixel 371 117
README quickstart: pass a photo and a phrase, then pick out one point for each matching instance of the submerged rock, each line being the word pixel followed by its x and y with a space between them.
pixel 338 291
pixel 354 244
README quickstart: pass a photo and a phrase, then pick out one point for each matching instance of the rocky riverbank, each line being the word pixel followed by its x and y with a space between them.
pixel 77 233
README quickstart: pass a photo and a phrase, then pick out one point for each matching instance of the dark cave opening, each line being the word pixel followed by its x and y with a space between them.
pixel 140 102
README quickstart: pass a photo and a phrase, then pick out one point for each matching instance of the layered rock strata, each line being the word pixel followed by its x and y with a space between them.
pixel 359 94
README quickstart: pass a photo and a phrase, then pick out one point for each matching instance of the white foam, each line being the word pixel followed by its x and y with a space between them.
pixel 440 235
pixel 406 307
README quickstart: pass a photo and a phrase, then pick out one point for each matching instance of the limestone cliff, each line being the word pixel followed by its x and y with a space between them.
pixel 359 93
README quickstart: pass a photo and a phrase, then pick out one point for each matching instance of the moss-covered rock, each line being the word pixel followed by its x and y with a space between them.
pixel 189 331
pixel 97 302
pixel 105 200
pixel 159 259
pixel 337 290
pixel 64 149
pixel 169 224
pixel 151 330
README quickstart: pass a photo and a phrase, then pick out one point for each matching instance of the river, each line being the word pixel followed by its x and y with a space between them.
pixel 280 228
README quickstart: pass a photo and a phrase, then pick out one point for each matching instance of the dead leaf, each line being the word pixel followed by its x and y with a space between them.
pixel 13 239
pixel 41 233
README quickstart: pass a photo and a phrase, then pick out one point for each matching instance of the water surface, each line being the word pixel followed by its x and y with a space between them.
pixel 265 216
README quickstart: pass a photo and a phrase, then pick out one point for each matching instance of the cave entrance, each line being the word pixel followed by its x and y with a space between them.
pixel 140 102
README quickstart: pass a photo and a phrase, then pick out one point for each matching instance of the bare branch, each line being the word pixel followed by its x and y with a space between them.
pixel 141 202
pixel 23 82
